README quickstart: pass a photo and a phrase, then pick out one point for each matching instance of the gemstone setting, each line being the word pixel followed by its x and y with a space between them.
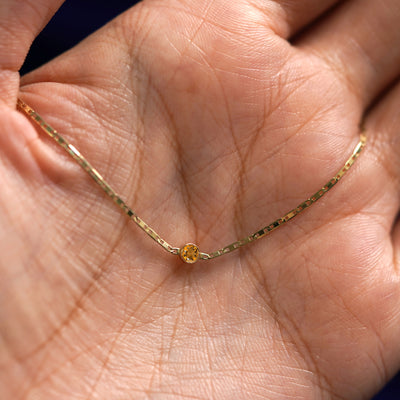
pixel 189 253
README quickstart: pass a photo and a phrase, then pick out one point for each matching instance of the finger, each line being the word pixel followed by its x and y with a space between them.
pixel 20 23
pixel 287 17
pixel 284 17
pixel 384 125
pixel 360 42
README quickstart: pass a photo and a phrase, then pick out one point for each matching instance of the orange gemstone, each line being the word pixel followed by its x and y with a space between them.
pixel 189 253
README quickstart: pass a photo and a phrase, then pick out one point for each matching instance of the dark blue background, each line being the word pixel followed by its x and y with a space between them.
pixel 75 20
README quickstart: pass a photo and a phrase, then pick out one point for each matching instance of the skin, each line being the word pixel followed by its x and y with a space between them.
pixel 211 118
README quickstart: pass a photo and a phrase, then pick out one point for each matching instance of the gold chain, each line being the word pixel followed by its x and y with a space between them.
pixel 189 253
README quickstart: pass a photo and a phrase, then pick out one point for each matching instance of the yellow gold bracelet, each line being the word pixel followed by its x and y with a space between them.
pixel 189 253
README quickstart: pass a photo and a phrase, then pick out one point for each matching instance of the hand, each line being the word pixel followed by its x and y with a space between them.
pixel 211 119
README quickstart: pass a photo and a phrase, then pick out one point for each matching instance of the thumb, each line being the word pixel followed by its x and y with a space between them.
pixel 20 22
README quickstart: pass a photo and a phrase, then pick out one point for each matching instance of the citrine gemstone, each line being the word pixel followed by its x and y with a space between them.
pixel 189 253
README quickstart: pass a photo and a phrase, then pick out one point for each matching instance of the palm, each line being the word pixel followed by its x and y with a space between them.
pixel 209 131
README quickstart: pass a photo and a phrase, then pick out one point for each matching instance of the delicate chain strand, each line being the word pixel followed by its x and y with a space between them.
pixel 296 211
pixel 81 160
pixel 189 253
